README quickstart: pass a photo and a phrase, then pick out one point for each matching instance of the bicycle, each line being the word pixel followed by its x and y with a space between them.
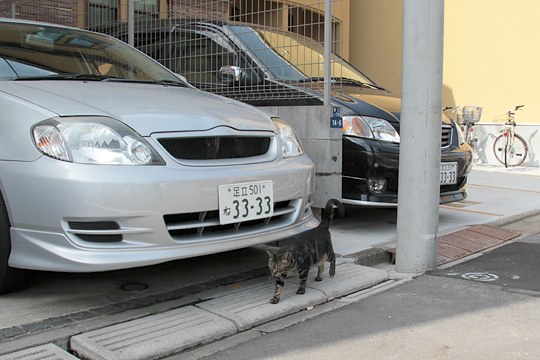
pixel 509 148
pixel 466 117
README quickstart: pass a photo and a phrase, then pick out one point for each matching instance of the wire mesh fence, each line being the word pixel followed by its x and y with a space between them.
pixel 256 51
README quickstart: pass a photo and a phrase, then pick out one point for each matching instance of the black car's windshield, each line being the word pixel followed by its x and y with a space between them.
pixel 293 57
pixel 29 51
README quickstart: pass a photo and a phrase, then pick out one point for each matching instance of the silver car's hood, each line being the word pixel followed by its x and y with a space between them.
pixel 146 108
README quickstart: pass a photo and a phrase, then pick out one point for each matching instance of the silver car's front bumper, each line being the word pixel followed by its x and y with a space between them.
pixel 84 218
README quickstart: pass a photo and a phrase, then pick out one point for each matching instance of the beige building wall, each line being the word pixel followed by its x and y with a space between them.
pixel 375 40
pixel 491 52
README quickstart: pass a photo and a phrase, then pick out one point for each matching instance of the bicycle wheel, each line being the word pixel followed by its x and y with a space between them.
pixel 499 148
pixel 517 153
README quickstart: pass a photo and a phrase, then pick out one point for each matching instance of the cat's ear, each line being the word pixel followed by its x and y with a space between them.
pixel 270 254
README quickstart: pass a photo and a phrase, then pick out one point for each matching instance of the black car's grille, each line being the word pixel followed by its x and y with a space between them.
pixel 197 225
pixel 446 136
pixel 216 147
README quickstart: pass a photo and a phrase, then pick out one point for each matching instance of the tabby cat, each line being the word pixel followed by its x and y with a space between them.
pixel 298 254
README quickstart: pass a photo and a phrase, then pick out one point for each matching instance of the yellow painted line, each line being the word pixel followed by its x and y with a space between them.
pixel 503 188
pixel 469 211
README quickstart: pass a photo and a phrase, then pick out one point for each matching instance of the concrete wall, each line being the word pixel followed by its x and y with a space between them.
pixel 321 143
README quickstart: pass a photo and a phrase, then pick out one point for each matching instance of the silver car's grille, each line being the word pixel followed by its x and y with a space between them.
pixel 216 147
pixel 446 136
pixel 198 225
pixel 96 231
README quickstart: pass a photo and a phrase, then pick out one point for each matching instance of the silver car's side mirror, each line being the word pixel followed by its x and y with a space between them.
pixel 233 71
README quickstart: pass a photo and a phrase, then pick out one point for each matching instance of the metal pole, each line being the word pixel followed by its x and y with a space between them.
pixel 420 148
pixel 13 10
pixel 327 52
pixel 131 22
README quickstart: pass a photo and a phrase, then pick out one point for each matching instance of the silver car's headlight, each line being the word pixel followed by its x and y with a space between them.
pixel 369 127
pixel 290 143
pixel 93 140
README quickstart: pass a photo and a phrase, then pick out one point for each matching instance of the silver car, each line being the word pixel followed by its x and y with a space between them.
pixel 108 160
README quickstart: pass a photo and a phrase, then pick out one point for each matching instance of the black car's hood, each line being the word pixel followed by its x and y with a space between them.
pixel 367 102
pixel 371 102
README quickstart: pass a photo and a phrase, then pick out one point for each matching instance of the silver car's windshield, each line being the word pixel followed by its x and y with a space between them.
pixel 35 52
pixel 293 57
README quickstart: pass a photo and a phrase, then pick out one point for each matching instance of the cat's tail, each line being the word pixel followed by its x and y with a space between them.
pixel 328 212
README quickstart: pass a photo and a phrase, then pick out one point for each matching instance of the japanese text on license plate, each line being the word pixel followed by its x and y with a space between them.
pixel 448 173
pixel 245 201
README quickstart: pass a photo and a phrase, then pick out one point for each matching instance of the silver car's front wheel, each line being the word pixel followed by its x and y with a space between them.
pixel 10 279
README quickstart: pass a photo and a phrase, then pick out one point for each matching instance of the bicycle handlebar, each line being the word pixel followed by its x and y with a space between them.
pixel 511 112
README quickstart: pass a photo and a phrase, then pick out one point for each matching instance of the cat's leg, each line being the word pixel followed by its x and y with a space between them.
pixel 332 260
pixel 303 279
pixel 320 272
pixel 277 292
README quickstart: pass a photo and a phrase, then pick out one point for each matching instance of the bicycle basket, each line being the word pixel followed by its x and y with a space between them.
pixel 471 114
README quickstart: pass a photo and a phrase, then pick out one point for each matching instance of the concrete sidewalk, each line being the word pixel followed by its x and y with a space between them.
pixel 483 307
pixel 209 316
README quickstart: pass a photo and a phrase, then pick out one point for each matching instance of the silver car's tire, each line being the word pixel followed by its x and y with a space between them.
pixel 10 279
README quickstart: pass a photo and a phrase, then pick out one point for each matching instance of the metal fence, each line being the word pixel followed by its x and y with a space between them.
pixel 251 50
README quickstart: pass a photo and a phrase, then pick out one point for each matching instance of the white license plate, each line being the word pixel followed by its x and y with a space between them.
pixel 245 201
pixel 449 173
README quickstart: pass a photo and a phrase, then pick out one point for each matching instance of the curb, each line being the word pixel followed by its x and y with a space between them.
pixel 372 257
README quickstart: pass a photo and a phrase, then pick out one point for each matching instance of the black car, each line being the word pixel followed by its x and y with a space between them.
pixel 251 63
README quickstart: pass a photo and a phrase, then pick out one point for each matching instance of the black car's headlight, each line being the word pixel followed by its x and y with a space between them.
pixel 461 135
pixel 369 127
pixel 290 143
pixel 93 140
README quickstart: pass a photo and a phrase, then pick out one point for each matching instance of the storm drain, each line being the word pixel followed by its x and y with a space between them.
pixel 152 337
pixel 48 351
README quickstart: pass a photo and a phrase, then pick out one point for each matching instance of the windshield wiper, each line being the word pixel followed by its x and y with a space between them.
pixel 345 81
pixel 95 77
pixel 155 82
pixel 84 77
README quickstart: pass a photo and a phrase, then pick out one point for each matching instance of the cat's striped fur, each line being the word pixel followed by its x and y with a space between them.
pixel 298 254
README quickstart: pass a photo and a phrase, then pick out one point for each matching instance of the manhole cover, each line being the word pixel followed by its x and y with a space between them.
pixel 480 276
pixel 135 286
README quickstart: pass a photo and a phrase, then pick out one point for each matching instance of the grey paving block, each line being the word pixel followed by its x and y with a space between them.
pixel 224 290
pixel 153 336
pixel 250 306
pixel 47 351
pixel 349 278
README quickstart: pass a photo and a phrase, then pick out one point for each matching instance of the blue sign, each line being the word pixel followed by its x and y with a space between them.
pixel 336 121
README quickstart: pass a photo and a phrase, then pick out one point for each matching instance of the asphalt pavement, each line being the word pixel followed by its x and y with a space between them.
pixel 217 306
pixel 483 307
